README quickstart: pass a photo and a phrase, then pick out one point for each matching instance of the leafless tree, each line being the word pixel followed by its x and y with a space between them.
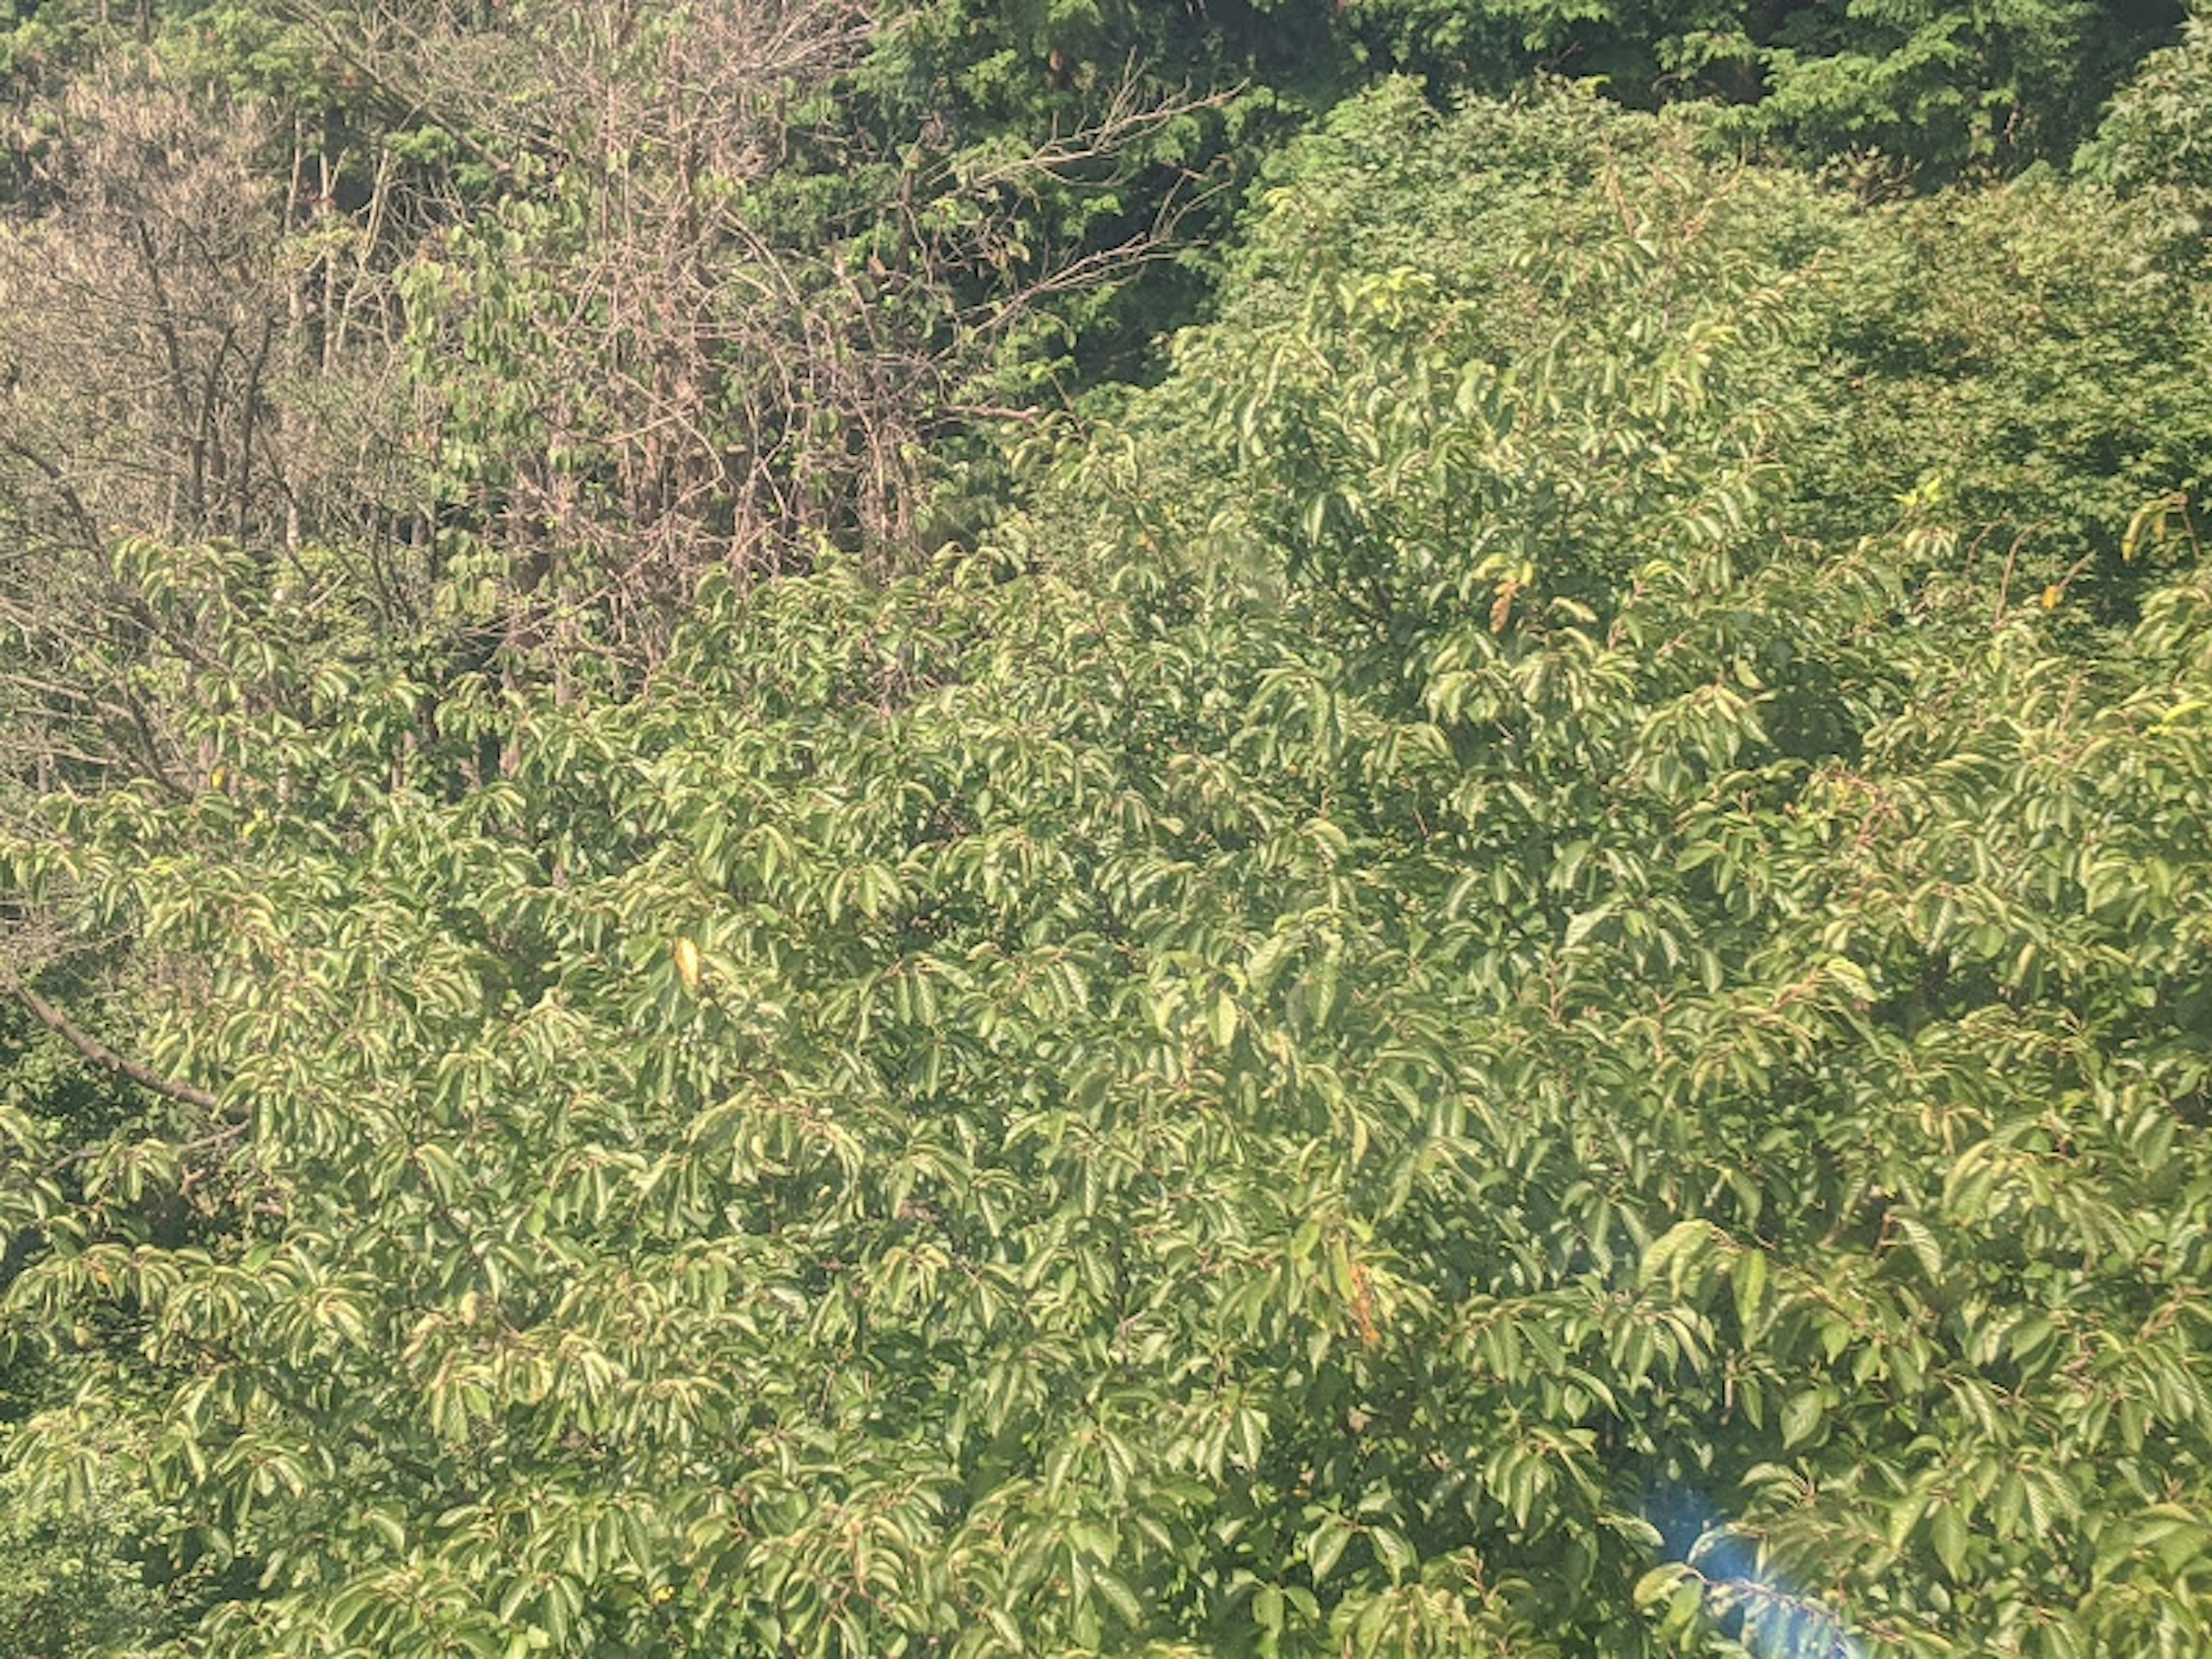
pixel 192 356
pixel 653 305
pixel 675 350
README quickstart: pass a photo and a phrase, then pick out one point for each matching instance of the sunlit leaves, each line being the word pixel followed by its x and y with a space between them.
pixel 1510 1067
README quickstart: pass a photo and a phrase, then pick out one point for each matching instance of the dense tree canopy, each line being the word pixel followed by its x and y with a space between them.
pixel 724 932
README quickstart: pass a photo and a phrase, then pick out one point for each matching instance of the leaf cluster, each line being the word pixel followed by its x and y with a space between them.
pixel 1402 1021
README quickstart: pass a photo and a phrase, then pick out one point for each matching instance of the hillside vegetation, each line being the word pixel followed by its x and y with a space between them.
pixel 981 829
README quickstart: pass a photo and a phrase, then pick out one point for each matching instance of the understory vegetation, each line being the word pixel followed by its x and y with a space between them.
pixel 1090 827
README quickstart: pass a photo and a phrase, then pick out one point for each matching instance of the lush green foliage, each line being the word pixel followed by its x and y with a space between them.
pixel 73 1550
pixel 1940 87
pixel 1516 970
pixel 2159 129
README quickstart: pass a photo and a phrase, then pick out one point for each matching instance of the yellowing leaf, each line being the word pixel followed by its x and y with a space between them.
pixel 1222 1022
pixel 1501 608
pixel 687 962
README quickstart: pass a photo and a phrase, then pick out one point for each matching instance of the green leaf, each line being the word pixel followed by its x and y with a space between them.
pixel 1801 1416
pixel 1325 1545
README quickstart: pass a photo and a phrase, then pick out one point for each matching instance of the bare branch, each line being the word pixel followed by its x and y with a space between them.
pixel 100 1054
